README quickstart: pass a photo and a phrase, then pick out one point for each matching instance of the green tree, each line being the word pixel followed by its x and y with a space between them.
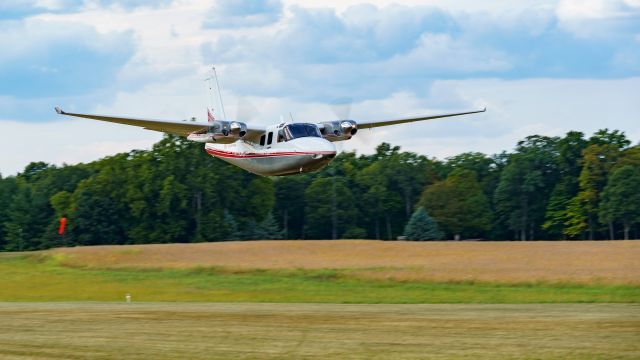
pixel 389 184
pixel 621 198
pixel 261 196
pixel 485 167
pixel 597 162
pixel 422 227
pixel 525 183
pixel 569 161
pixel 18 228
pixel 231 230
pixel 61 203
pixel 379 204
pixel 267 229
pixel 8 188
pixel 459 205
pixel 100 208
pixel 615 138
pixel 322 207
pixel 290 203
pixel 355 232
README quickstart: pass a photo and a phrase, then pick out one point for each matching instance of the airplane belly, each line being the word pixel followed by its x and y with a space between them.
pixel 275 164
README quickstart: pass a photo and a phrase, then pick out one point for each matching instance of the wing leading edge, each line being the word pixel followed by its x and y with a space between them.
pixel 373 124
pixel 181 128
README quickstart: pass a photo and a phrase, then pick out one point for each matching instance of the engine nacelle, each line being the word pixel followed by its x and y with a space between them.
pixel 338 130
pixel 238 129
pixel 220 131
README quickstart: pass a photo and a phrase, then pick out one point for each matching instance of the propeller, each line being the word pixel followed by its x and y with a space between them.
pixel 341 108
pixel 245 110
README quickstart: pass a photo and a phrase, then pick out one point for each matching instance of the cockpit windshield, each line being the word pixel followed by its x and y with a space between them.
pixel 294 131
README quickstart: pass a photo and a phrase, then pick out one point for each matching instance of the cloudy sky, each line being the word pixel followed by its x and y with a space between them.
pixel 540 67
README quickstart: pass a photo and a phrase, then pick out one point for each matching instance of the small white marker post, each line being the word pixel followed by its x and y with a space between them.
pixel 127 297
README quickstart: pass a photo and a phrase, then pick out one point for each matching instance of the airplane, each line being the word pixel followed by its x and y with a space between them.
pixel 285 148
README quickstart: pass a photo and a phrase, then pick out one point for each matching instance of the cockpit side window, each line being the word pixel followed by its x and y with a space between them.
pixel 262 138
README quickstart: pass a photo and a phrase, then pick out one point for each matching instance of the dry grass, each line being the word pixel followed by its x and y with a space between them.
pixel 314 331
pixel 586 262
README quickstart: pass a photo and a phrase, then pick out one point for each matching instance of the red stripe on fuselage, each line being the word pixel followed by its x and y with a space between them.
pixel 237 155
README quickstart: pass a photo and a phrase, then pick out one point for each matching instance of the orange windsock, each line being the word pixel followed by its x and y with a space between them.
pixel 63 222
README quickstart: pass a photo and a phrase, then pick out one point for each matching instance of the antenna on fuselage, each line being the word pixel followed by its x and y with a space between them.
pixel 209 81
pixel 215 75
pixel 212 103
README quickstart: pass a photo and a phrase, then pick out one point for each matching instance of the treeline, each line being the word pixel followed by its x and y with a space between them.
pixel 569 187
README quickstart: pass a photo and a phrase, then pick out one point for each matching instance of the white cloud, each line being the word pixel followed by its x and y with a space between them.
pixel 597 9
pixel 597 18
pixel 516 109
pixel 68 141
pixel 492 7
pixel 385 56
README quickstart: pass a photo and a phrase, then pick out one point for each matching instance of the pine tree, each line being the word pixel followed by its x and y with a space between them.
pixel 231 226
pixel 422 227
pixel 268 229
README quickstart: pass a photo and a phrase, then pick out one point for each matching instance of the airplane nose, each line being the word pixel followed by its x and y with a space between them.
pixel 318 146
pixel 322 153
pixel 326 148
pixel 329 146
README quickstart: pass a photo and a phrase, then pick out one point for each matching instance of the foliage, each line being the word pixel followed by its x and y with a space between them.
pixel 621 198
pixel 569 162
pixel 355 232
pixel 525 183
pixel 548 188
pixel 422 227
pixel 459 205
pixel 267 229
pixel 598 159
pixel 328 200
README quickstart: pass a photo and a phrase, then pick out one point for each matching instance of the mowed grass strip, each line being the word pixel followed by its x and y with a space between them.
pixel 318 331
pixel 38 278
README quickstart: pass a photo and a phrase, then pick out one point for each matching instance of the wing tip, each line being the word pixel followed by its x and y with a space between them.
pixel 59 110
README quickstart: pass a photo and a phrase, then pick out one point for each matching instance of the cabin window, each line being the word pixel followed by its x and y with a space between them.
pixel 262 140
pixel 270 138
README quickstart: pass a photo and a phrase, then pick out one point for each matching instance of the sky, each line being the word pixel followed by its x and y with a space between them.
pixel 540 67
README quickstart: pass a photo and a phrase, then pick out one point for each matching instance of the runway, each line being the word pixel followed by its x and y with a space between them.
pixel 317 331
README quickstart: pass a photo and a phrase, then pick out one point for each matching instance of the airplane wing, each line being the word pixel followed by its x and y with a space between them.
pixel 373 124
pixel 181 128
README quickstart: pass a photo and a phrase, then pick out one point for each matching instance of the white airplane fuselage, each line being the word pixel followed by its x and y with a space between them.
pixel 300 155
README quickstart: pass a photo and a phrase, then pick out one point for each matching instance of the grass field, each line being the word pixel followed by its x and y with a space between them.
pixel 318 331
pixel 324 299
pixel 335 272
pixel 584 262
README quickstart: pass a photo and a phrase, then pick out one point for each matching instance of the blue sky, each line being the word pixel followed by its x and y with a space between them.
pixel 539 66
